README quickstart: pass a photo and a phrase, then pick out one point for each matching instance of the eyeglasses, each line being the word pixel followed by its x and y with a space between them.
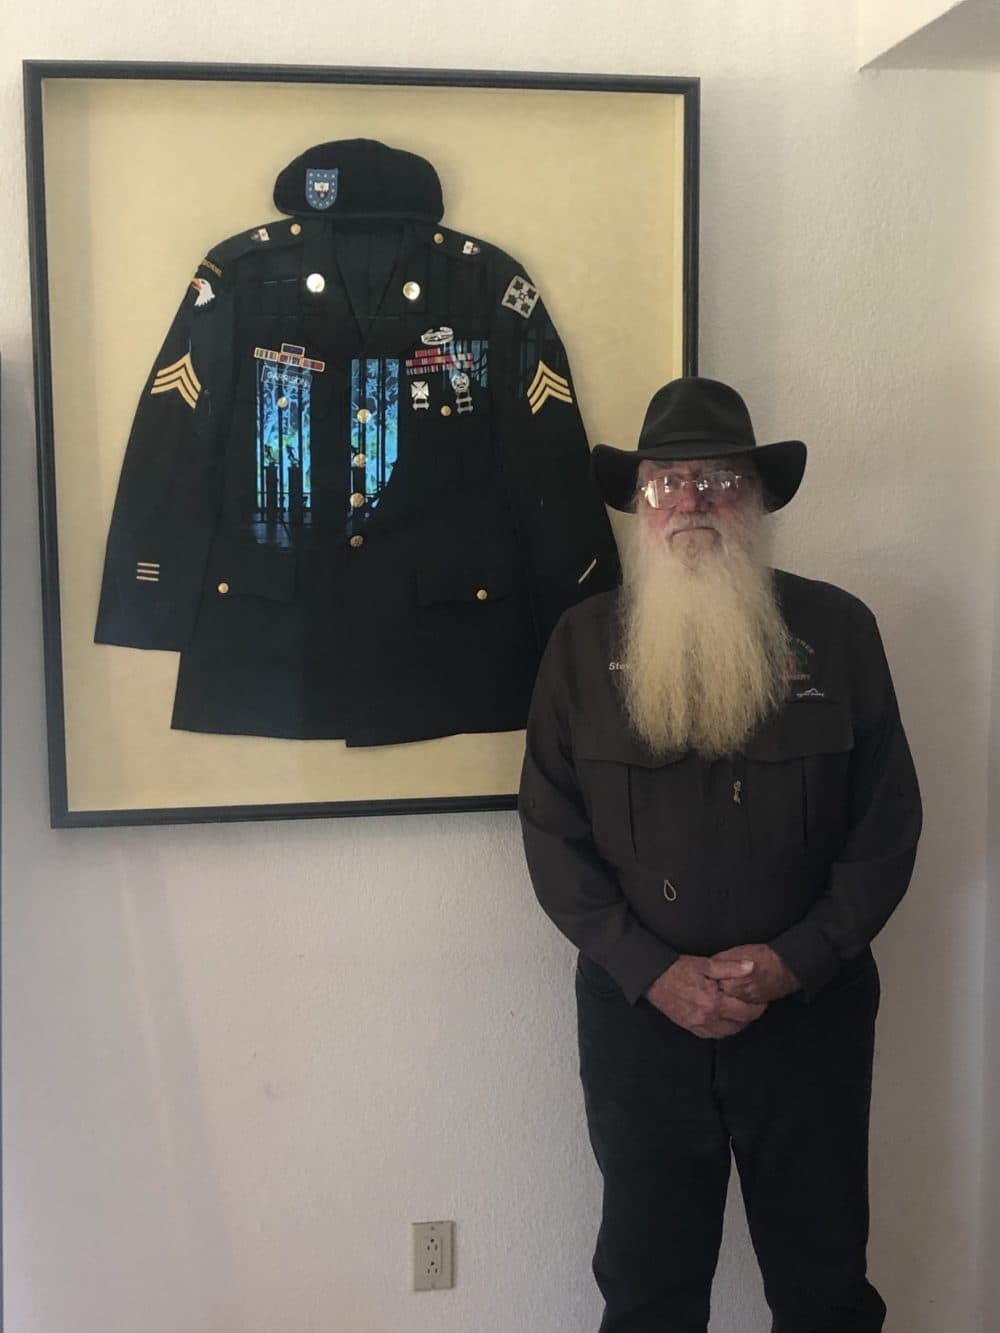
pixel 664 490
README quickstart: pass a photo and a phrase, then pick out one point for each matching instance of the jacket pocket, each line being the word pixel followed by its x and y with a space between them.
pixel 248 569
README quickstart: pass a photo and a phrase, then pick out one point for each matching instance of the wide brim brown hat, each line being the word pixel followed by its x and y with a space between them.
pixel 698 418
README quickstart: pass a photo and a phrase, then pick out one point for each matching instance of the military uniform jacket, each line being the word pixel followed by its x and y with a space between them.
pixel 804 841
pixel 355 494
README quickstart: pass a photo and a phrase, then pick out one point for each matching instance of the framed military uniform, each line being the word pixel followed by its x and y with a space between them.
pixel 307 531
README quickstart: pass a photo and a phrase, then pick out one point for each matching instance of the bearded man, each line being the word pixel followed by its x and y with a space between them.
pixel 720 811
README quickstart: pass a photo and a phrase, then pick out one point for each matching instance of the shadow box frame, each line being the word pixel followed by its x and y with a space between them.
pixel 545 135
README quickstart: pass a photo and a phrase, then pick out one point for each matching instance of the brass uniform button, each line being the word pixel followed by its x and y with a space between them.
pixel 439 238
pixel 482 595
pixel 364 415
pixel 357 500
pixel 295 228
pixel 446 411
pixel 282 402
pixel 223 588
pixel 315 282
pixel 359 460
pixel 357 541
pixel 411 290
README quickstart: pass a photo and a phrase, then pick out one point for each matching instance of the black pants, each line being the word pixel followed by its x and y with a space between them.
pixel 789 1096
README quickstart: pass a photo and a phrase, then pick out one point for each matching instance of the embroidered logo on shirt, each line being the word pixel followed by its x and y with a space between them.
pixel 545 385
pixel 810 694
pixel 799 659
pixel 180 375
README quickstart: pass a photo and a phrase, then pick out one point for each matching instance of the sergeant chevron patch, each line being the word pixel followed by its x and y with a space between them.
pixel 545 385
pixel 180 375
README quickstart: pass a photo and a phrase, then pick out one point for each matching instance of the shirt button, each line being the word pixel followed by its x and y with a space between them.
pixel 446 411
pixel 359 460
pixel 357 541
pixel 482 595
pixel 357 500
pixel 411 290
pixel 282 402
pixel 223 588
pixel 439 238
pixel 364 415
pixel 315 282
pixel 295 228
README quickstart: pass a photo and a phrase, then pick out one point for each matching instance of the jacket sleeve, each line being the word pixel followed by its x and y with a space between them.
pixel 575 887
pixel 565 536
pixel 873 870
pixel 169 487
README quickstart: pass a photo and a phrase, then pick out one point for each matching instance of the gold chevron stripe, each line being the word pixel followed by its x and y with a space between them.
pixel 547 384
pixel 180 375
pixel 148 578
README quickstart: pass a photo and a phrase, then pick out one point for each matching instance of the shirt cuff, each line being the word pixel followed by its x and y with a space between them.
pixel 807 956
pixel 636 961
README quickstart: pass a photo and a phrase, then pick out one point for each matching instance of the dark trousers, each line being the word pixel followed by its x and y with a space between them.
pixel 789 1097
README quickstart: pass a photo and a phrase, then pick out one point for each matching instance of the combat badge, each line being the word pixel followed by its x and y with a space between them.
pixel 437 337
pixel 545 385
pixel 520 296
pixel 461 383
pixel 321 187
pixel 179 375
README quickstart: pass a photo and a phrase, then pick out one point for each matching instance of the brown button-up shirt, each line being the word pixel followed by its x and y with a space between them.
pixel 805 840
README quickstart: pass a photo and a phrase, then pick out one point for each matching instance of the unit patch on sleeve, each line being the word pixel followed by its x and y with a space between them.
pixel 545 385
pixel 204 289
pixel 180 375
pixel 520 296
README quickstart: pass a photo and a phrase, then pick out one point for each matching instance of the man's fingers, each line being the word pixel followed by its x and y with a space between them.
pixel 728 969
pixel 738 1011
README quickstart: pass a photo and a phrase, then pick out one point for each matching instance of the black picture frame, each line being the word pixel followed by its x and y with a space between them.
pixel 41 75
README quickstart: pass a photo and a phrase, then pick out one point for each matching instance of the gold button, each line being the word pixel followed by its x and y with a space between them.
pixel 315 282
pixel 295 228
pixel 482 595
pixel 439 238
pixel 282 402
pixel 357 500
pixel 223 588
pixel 446 411
pixel 364 415
pixel 359 460
pixel 357 541
pixel 411 290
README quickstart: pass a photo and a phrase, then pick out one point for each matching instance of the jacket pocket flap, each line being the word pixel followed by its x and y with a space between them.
pixel 247 569
pixel 802 728
pixel 470 578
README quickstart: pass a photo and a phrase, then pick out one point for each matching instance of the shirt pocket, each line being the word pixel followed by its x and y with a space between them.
pixel 796 779
pixel 640 805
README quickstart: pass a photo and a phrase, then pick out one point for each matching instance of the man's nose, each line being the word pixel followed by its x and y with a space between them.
pixel 691 500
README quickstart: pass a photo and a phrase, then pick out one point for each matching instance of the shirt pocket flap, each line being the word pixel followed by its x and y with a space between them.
pixel 804 727
pixel 599 742
pixel 247 569
pixel 476 577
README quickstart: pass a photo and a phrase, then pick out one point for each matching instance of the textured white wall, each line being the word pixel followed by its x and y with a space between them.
pixel 883 23
pixel 240 1060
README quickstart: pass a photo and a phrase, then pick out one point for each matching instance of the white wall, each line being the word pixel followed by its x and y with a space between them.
pixel 240 1060
pixel 883 23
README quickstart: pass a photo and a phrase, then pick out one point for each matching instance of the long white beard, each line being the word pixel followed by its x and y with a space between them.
pixel 703 642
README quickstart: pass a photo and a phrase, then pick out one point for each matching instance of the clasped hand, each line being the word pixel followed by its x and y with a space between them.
pixel 721 995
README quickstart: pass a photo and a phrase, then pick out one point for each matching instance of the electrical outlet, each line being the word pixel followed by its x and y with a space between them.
pixel 433 1255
